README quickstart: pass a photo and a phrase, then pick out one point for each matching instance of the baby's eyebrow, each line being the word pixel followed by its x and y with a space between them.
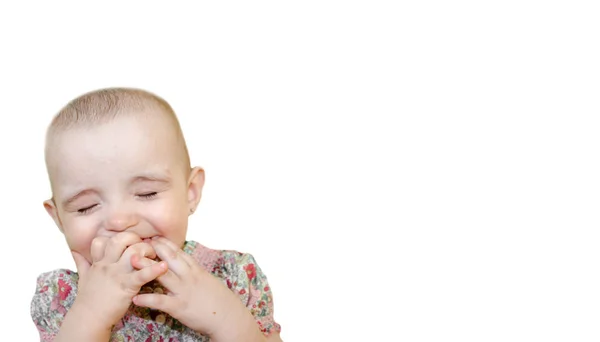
pixel 151 178
pixel 73 198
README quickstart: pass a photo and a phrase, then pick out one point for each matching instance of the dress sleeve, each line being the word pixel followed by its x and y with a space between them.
pixel 251 284
pixel 50 302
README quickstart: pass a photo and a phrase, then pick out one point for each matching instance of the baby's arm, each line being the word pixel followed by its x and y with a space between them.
pixel 254 321
pixel 251 285
pixel 49 307
pixel 80 325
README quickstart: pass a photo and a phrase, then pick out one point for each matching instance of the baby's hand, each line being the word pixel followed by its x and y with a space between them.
pixel 195 297
pixel 107 285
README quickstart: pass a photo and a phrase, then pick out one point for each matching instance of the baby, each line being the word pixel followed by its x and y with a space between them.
pixel 122 191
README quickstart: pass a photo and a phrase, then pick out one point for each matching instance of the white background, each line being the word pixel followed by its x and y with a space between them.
pixel 401 172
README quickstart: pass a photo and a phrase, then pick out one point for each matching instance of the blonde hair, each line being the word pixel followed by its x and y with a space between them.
pixel 104 105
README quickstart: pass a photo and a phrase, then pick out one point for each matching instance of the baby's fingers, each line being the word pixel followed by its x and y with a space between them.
pixel 138 262
pixel 98 247
pixel 174 257
pixel 167 279
pixel 162 302
pixel 142 248
pixel 149 273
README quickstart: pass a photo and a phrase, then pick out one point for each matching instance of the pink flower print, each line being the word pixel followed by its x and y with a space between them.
pixel 250 271
pixel 63 289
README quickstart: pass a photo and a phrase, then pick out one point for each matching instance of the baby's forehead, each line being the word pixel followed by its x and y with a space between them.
pixel 114 107
pixel 115 152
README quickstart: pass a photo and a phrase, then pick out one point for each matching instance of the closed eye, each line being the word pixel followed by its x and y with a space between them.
pixel 86 209
pixel 148 195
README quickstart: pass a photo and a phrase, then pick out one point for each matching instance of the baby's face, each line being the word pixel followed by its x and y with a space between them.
pixel 125 175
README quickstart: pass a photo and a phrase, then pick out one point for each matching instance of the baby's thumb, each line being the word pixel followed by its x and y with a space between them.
pixel 82 264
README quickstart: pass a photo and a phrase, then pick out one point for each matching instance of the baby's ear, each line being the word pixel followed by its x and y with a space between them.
pixel 50 207
pixel 195 185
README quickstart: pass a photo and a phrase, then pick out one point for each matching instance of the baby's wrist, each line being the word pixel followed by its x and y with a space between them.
pixel 90 318
pixel 239 326
pixel 80 326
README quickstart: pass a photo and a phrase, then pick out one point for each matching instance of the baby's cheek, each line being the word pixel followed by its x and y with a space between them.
pixel 79 237
pixel 171 223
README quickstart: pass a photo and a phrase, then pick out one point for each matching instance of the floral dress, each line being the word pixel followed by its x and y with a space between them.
pixel 56 292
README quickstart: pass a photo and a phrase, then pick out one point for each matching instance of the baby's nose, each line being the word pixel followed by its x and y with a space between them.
pixel 120 222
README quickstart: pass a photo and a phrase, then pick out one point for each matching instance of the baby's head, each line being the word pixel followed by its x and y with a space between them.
pixel 117 161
